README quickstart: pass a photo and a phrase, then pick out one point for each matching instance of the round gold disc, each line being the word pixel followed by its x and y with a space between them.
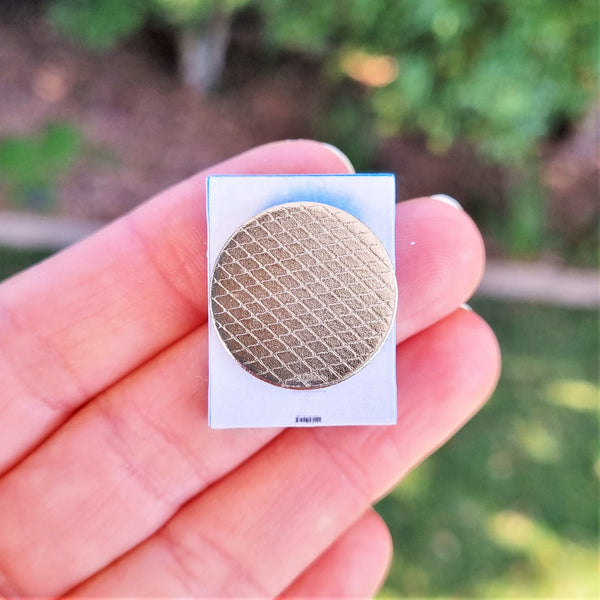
pixel 303 295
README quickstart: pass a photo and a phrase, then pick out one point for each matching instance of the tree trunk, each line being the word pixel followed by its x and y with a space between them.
pixel 202 52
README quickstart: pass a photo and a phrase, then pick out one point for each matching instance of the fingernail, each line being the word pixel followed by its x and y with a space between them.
pixel 465 306
pixel 345 160
pixel 449 200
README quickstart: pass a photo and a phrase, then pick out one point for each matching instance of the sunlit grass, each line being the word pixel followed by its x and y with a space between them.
pixel 574 393
pixel 13 260
pixel 550 567
pixel 538 442
pixel 509 508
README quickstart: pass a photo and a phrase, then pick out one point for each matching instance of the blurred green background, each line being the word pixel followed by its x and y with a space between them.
pixel 509 507
pixel 495 100
pixel 104 103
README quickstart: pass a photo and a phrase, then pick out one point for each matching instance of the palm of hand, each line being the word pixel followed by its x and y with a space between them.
pixel 112 483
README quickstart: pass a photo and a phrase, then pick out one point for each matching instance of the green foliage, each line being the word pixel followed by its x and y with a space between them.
pixel 98 23
pixel 497 72
pixel 307 26
pixel 524 232
pixel 509 507
pixel 348 123
pixel 183 13
pixel 30 166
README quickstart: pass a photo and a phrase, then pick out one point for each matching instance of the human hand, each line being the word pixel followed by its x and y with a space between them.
pixel 113 484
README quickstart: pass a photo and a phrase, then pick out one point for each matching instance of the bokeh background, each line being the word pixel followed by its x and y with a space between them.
pixel 496 102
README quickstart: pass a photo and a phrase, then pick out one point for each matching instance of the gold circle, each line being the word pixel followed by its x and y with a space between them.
pixel 303 295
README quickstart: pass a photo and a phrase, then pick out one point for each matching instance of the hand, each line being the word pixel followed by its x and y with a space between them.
pixel 113 484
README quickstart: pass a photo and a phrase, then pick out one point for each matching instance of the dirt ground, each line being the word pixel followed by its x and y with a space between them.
pixel 144 131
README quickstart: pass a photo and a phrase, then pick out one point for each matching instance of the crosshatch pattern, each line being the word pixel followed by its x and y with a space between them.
pixel 303 295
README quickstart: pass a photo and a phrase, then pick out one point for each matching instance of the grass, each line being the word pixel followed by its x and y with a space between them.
pixel 30 166
pixel 509 507
pixel 13 260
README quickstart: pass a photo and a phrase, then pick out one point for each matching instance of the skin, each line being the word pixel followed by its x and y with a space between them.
pixel 111 482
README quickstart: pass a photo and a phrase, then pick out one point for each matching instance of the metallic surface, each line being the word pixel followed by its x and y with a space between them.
pixel 303 295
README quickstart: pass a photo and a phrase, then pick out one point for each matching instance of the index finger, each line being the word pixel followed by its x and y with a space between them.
pixel 76 323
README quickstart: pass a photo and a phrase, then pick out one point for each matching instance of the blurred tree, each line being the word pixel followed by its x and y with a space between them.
pixel 201 29
pixel 502 74
pixel 498 72
pixel 99 24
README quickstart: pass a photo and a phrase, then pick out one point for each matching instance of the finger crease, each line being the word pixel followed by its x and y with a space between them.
pixel 166 275
pixel 346 465
pixel 23 374
pixel 179 566
pixel 116 441
pixel 7 587
pixel 199 470
pixel 182 555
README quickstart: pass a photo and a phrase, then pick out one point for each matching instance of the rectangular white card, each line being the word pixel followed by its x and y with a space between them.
pixel 237 398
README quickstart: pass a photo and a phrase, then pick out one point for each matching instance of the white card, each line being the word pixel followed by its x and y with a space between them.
pixel 237 398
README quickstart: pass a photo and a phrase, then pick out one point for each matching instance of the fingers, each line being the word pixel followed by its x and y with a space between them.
pixel 354 566
pixel 291 500
pixel 116 472
pixel 439 262
pixel 81 320
pixel 123 466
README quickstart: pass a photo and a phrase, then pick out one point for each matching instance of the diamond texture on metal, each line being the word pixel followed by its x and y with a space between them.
pixel 303 295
